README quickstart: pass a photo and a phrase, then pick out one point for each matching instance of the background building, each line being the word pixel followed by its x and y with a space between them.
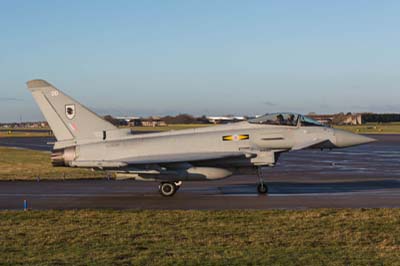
pixel 225 119
pixel 338 119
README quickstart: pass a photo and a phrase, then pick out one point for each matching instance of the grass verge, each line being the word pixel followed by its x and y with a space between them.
pixel 313 237
pixel 19 164
pixel 21 134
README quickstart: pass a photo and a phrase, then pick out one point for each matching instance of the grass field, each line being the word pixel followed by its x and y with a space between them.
pixel 313 237
pixel 20 134
pixel 18 164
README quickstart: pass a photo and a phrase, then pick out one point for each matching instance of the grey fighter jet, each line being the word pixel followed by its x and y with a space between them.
pixel 88 141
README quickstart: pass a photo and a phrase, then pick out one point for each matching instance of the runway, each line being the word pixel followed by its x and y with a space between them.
pixel 234 193
pixel 361 177
pixel 32 143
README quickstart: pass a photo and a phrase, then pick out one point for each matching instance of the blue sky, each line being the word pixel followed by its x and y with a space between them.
pixel 202 57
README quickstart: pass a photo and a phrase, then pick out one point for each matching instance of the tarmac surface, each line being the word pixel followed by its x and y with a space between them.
pixel 360 177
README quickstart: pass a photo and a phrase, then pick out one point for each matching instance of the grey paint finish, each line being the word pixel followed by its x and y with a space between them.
pixel 86 140
pixel 67 118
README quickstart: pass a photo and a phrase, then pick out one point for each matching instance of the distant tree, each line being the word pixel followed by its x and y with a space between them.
pixel 381 118
pixel 169 119
pixel 180 119
pixel 202 120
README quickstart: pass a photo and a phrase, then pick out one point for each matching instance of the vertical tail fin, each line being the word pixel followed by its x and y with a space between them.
pixel 67 118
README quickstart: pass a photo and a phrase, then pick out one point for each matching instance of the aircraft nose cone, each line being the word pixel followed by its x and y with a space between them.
pixel 347 139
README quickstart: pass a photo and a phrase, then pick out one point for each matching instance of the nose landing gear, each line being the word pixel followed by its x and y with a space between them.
pixel 262 187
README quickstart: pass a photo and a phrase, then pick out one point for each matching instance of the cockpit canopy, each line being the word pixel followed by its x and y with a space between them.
pixel 285 119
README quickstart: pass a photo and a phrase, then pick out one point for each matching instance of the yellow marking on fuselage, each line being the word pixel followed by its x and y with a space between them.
pixel 235 137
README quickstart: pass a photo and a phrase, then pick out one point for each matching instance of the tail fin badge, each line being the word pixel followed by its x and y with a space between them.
pixel 70 111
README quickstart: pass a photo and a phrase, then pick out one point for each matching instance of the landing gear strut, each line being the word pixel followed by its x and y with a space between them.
pixel 178 185
pixel 262 187
pixel 168 189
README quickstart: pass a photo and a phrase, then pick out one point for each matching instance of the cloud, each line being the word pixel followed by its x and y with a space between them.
pixel 269 103
pixel 9 99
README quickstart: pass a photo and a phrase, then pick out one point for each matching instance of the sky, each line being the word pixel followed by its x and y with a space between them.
pixel 202 57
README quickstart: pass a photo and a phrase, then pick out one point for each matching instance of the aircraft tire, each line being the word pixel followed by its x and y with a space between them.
pixel 167 189
pixel 262 188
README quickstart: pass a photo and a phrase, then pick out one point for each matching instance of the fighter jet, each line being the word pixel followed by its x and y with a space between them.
pixel 86 140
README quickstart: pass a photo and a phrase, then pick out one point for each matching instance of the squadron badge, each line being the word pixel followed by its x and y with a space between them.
pixel 70 111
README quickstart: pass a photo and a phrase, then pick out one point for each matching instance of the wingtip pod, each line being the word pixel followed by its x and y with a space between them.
pixel 37 83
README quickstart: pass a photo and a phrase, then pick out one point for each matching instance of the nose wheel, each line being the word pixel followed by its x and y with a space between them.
pixel 168 189
pixel 262 187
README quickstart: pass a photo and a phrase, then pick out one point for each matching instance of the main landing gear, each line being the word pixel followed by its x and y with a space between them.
pixel 168 189
pixel 262 187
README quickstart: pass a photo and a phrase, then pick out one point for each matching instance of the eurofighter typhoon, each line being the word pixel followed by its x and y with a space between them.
pixel 86 140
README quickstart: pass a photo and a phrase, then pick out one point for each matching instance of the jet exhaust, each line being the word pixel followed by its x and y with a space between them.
pixel 61 158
